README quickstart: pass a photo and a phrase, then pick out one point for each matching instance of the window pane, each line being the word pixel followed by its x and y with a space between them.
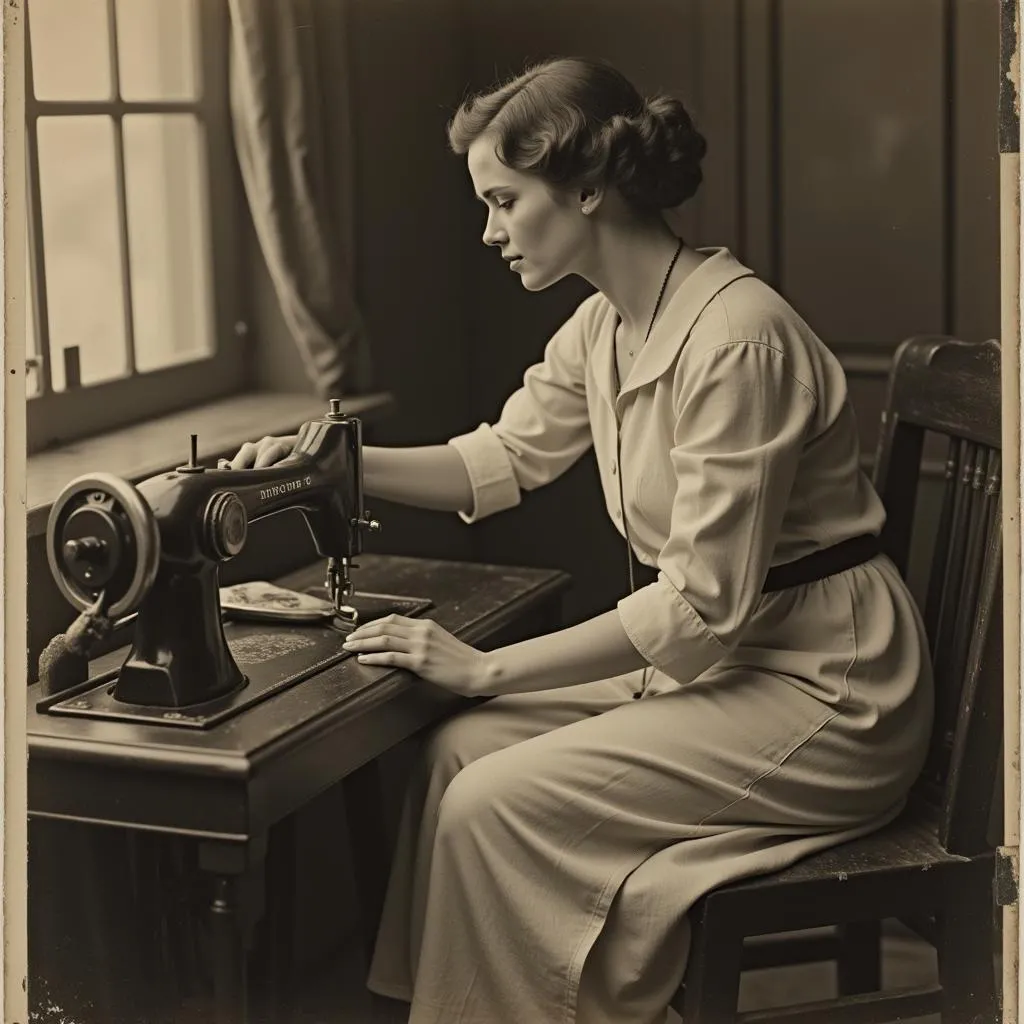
pixel 70 49
pixel 81 246
pixel 156 49
pixel 168 240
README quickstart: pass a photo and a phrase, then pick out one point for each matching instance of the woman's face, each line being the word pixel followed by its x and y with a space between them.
pixel 538 228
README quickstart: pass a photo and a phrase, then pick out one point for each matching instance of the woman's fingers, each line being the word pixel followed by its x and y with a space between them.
pixel 245 456
pixel 270 452
pixel 393 640
pixel 383 635
pixel 422 647
pixel 259 454
pixel 398 649
pixel 394 659
pixel 387 624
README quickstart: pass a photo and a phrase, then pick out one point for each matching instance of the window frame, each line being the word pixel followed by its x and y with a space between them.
pixel 54 418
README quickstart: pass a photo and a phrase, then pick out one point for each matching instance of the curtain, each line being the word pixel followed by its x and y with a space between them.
pixel 290 115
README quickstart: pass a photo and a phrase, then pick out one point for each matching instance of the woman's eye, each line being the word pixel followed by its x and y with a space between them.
pixel 505 204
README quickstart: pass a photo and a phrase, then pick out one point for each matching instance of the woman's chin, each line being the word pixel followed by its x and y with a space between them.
pixel 535 282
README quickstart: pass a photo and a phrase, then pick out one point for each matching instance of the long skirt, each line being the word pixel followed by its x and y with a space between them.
pixel 551 843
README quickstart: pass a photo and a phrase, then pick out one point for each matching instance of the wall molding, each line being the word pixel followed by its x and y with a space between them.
pixel 931 469
pixel 864 358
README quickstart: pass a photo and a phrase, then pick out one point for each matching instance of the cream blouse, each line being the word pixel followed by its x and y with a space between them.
pixel 739 451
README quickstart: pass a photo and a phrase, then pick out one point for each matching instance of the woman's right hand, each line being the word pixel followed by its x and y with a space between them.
pixel 259 454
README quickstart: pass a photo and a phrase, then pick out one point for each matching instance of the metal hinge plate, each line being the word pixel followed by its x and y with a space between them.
pixel 1007 876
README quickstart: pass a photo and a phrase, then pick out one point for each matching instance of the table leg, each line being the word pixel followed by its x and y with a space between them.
pixel 281 872
pixel 229 959
pixel 230 923
pixel 370 846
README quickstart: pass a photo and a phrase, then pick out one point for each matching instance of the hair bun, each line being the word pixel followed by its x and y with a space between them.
pixel 578 121
pixel 654 157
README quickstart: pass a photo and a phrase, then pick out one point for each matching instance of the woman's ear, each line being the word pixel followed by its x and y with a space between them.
pixel 590 199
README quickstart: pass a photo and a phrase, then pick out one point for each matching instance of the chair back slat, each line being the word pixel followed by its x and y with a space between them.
pixel 974 554
pixel 950 387
pixel 960 588
pixel 961 608
pixel 936 574
pixel 963 827
pixel 948 558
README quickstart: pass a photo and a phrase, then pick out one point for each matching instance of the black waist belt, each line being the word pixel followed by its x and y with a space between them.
pixel 820 564
pixel 815 566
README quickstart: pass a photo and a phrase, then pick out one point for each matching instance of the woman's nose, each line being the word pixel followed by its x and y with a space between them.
pixel 493 235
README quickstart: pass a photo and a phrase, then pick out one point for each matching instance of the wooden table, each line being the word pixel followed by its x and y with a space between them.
pixel 224 787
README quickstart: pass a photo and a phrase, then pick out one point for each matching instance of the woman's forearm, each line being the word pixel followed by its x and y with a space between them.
pixel 595 649
pixel 428 476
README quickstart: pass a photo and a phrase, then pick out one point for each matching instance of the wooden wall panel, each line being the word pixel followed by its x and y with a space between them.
pixel 406 71
pixel 862 182
pixel 757 66
pixel 974 264
pixel 717 106
pixel 406 68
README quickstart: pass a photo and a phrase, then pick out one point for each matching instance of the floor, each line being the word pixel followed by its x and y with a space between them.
pixel 98 991
pixel 338 995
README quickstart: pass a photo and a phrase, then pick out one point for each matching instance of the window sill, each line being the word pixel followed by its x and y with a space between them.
pixel 144 449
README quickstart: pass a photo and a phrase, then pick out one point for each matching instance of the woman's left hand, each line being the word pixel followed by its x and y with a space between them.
pixel 423 647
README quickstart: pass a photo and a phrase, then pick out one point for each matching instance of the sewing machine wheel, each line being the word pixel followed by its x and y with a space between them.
pixel 101 536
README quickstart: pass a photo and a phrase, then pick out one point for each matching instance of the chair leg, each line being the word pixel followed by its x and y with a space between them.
pixel 859 963
pixel 711 988
pixel 966 949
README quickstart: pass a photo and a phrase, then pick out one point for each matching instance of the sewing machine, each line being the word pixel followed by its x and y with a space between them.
pixel 155 547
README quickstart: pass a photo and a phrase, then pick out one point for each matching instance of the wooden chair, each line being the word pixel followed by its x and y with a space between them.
pixel 933 867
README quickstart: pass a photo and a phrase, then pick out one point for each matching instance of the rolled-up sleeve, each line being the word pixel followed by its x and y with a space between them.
pixel 490 472
pixel 543 429
pixel 742 420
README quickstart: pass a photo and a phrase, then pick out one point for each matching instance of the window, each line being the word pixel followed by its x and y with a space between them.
pixel 132 213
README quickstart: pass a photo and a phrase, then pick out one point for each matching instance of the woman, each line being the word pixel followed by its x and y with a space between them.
pixel 766 695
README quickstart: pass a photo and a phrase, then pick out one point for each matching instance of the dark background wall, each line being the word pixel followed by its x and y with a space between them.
pixel 852 162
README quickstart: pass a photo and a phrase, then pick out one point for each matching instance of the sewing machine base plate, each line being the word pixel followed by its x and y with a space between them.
pixel 273 656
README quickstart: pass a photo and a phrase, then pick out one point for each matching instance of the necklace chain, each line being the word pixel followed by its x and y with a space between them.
pixel 618 446
pixel 661 292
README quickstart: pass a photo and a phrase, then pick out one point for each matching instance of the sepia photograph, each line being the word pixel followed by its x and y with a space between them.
pixel 511 512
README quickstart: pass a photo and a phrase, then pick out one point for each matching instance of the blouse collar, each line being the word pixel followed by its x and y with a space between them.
pixel 673 328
